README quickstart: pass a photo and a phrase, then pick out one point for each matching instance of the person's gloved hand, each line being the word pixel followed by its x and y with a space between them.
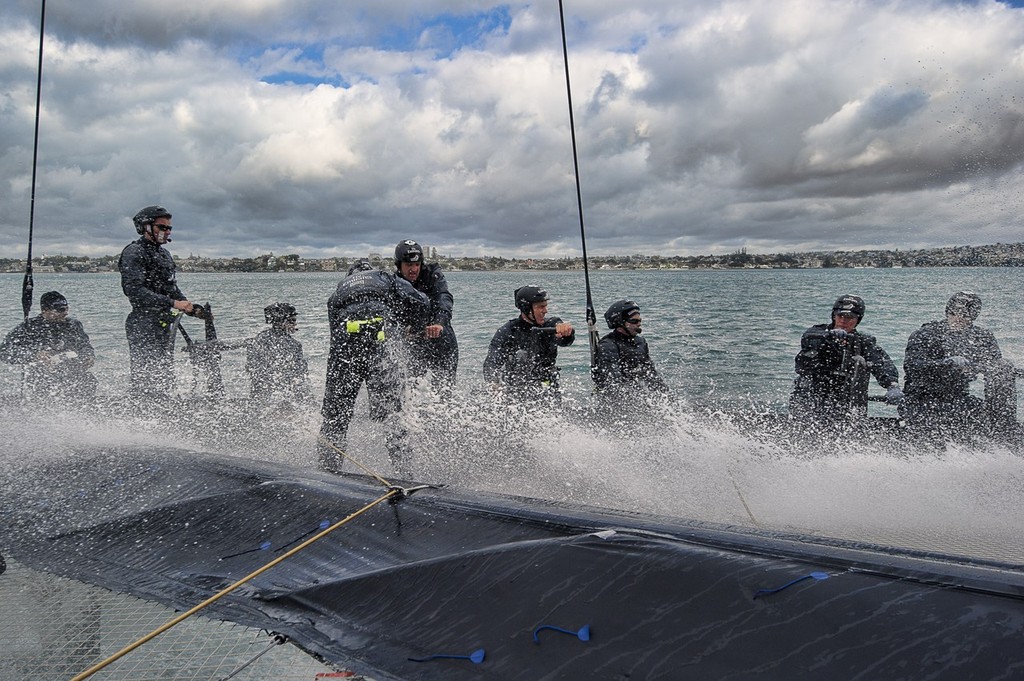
pixel 893 395
pixel 838 334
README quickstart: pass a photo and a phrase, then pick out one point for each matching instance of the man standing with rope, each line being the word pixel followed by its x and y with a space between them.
pixel 368 313
pixel 148 279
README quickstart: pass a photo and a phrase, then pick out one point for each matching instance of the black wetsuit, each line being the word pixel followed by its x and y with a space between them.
pixel 521 357
pixel 277 368
pixel 65 375
pixel 148 279
pixel 369 311
pixel 624 369
pixel 439 355
pixel 938 398
pixel 833 374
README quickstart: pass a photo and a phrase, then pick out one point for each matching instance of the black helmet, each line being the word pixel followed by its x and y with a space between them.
pixel 619 312
pixel 361 265
pixel 148 216
pixel 965 304
pixel 279 313
pixel 408 251
pixel 526 296
pixel 849 304
pixel 53 300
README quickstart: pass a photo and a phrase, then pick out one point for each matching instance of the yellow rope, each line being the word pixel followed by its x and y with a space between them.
pixel 212 599
pixel 365 469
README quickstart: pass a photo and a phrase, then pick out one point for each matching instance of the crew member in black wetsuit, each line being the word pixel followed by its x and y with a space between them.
pixel 942 359
pixel 625 375
pixel 521 358
pixel 274 361
pixel 369 311
pixel 835 365
pixel 148 279
pixel 436 349
pixel 56 353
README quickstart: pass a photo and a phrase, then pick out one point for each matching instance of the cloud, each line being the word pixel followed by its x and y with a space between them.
pixel 329 128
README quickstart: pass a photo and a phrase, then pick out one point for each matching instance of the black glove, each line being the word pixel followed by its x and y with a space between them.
pixel 198 311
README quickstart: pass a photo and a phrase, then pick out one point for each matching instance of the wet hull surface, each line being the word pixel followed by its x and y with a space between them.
pixel 443 572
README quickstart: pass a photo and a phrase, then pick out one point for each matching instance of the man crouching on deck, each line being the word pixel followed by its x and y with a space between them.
pixel 835 365
pixel 943 358
pixel 521 358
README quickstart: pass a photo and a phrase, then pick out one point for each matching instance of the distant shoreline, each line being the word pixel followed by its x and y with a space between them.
pixel 995 255
pixel 639 268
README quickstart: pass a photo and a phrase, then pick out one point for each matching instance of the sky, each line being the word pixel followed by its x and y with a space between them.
pixel 336 129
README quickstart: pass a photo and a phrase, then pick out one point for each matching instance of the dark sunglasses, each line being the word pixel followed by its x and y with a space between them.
pixel 163 228
pixel 634 320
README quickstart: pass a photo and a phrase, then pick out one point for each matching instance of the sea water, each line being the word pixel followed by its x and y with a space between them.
pixel 724 339
pixel 716 335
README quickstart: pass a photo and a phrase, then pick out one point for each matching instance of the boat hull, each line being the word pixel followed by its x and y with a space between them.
pixel 450 572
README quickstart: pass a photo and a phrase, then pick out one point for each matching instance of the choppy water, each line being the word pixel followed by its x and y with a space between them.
pixel 724 338
pixel 718 335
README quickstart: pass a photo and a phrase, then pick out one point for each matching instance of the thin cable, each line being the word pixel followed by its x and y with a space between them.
pixel 591 315
pixel 28 285
pixel 224 592
pixel 746 507
pixel 277 640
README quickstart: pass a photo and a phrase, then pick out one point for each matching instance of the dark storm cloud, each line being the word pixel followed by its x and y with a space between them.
pixel 334 128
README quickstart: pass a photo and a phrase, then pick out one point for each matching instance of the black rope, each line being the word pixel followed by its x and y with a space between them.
pixel 591 316
pixel 28 285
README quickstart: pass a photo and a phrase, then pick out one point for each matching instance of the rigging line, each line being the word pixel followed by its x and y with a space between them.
pixel 591 315
pixel 278 639
pixel 344 455
pixel 391 493
pixel 743 500
pixel 28 285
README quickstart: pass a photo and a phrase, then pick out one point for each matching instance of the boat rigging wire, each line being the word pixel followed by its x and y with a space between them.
pixel 393 492
pixel 28 285
pixel 276 640
pixel 591 316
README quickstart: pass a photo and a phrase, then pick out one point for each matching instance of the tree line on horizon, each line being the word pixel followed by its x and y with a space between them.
pixel 994 255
